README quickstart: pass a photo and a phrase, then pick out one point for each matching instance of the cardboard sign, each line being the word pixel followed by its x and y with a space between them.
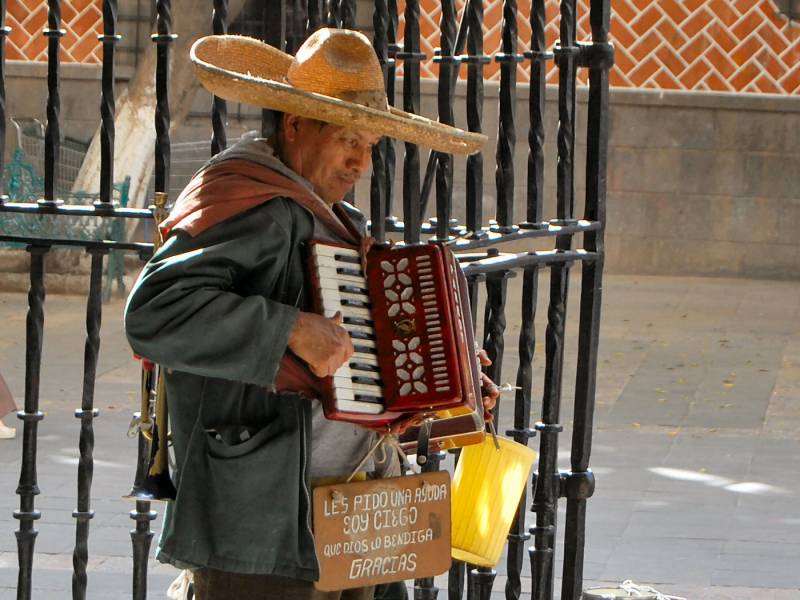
pixel 372 532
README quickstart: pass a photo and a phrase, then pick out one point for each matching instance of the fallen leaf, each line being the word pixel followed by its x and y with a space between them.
pixel 636 425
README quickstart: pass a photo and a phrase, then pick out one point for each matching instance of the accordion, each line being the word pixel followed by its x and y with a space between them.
pixel 411 328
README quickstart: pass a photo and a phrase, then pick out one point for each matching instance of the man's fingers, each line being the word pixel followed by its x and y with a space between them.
pixel 337 319
pixel 483 357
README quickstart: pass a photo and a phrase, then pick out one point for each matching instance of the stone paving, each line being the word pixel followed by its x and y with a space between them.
pixel 696 445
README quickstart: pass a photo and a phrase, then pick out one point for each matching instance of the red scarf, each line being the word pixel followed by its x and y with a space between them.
pixel 230 187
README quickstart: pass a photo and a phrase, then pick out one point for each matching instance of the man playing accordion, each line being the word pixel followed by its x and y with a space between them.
pixel 225 299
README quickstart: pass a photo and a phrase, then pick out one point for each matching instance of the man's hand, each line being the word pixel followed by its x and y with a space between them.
pixel 322 343
pixel 489 390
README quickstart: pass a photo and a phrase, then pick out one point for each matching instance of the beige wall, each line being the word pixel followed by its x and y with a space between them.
pixel 698 183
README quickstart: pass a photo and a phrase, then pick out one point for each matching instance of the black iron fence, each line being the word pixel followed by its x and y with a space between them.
pixel 577 242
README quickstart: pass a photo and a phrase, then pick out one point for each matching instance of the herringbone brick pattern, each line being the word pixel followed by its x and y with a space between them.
pixel 709 45
pixel 81 19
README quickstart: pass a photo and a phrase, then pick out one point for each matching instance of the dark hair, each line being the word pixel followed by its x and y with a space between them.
pixel 276 123
pixel 272 123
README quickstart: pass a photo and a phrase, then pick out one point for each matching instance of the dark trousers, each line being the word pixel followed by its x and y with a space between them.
pixel 210 584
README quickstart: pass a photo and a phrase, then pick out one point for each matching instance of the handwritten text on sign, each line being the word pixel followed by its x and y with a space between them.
pixel 384 530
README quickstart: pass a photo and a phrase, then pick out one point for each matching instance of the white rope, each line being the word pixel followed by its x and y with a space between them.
pixel 378 444
pixel 630 587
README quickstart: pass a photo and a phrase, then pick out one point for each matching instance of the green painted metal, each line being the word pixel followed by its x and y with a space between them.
pixel 23 184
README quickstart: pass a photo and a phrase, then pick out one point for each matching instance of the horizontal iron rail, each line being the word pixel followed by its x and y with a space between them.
pixel 142 248
pixel 508 262
pixel 492 238
pixel 545 229
pixel 100 209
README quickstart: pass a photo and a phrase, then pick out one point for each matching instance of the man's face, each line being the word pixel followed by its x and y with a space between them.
pixel 331 157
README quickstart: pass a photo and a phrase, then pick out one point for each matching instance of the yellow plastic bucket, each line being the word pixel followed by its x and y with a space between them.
pixel 487 486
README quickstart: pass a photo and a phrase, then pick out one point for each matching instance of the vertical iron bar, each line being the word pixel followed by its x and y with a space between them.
pixel 347 14
pixel 52 135
pixel 333 13
pixel 548 483
pixel 448 71
pixel 4 31
pixel 141 536
pixel 380 41
pixel 391 155
pixel 83 513
pixel 455 580
pixel 162 38
pixel 314 17
pixel 295 25
pixel 522 431
pixel 536 106
pixel 506 135
pixel 475 61
pixel 219 108
pixel 494 325
pixel 591 301
pixel 481 581
pixel 28 487
pixel 109 40
pixel 424 589
pixel 411 175
pixel 274 35
pixel 547 489
pixel 565 54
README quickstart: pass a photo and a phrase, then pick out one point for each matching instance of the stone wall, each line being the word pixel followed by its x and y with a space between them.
pixel 698 183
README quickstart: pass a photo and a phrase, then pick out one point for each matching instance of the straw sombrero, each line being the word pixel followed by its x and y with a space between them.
pixel 335 77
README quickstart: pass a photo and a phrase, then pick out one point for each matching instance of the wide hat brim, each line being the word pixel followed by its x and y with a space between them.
pixel 242 69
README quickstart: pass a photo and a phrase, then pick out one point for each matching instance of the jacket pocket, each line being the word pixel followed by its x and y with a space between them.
pixel 234 441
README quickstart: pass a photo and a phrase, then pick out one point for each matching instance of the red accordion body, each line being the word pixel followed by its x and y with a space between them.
pixel 410 324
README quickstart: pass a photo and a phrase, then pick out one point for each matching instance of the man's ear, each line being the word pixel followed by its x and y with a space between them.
pixel 291 124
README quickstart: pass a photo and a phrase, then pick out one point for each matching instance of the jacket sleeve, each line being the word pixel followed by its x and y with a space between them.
pixel 189 310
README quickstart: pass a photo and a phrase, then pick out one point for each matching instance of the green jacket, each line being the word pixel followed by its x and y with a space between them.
pixel 216 310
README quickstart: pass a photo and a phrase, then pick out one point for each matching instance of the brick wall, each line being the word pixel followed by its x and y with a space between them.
pixel 81 19
pixel 705 45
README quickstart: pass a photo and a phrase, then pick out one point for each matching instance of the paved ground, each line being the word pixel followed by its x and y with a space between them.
pixel 696 445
